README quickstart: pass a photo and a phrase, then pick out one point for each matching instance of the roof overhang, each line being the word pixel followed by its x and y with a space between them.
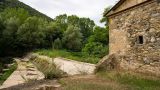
pixel 121 2
pixel 115 7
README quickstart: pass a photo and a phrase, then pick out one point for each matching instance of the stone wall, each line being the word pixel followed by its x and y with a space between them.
pixel 125 30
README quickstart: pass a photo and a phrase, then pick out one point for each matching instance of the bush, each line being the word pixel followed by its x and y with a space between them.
pixel 8 73
pixel 96 49
pixel 50 70
pixel 57 44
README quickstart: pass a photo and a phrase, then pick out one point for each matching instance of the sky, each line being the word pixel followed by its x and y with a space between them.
pixel 92 9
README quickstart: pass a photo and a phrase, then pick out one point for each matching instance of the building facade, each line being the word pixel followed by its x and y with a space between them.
pixel 134 27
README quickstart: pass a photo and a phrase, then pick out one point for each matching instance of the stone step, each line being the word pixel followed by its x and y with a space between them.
pixel 31 69
pixel 31 74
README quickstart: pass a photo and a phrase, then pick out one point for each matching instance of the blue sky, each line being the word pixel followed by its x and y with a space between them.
pixel 82 8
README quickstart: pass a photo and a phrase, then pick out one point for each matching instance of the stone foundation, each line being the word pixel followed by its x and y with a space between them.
pixel 121 62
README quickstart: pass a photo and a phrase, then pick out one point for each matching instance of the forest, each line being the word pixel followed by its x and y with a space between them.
pixel 23 29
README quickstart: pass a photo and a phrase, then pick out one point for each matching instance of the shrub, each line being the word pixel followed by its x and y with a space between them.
pixel 96 49
pixel 57 44
pixel 8 73
pixel 49 69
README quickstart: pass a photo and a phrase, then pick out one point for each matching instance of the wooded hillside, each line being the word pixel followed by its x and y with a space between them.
pixel 17 4
pixel 22 28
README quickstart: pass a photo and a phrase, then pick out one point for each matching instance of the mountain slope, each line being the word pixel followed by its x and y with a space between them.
pixel 17 4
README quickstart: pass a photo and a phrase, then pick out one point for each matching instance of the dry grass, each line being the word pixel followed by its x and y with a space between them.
pixel 134 80
pixel 50 70
pixel 90 83
pixel 111 81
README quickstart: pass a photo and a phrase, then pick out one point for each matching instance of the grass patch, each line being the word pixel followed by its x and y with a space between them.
pixel 89 83
pixel 8 73
pixel 135 81
pixel 78 56
pixel 50 70
pixel 111 81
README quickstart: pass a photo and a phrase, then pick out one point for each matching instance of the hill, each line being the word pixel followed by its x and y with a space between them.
pixel 17 4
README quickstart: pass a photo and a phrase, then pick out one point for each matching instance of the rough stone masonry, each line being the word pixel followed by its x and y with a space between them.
pixel 134 37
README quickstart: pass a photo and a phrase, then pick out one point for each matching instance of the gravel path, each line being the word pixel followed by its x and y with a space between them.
pixel 25 72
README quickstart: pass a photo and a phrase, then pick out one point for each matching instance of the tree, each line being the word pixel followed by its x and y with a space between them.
pixel 100 35
pixel 15 12
pixel 57 44
pixel 62 22
pixel 1 26
pixel 73 38
pixel 105 18
pixel 31 33
pixel 9 34
pixel 10 20
pixel 96 49
pixel 53 31
pixel 86 25
pixel 73 20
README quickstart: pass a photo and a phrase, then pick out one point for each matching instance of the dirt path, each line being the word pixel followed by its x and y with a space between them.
pixel 25 72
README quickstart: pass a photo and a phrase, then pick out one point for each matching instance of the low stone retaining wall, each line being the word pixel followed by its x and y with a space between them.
pixel 120 62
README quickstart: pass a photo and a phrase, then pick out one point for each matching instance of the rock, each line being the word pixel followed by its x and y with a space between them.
pixel 153 39
pixel 109 63
pixel 146 61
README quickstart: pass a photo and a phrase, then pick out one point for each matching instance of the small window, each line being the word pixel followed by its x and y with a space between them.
pixel 140 40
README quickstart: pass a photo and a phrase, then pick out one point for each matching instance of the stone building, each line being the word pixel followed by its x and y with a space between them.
pixel 134 27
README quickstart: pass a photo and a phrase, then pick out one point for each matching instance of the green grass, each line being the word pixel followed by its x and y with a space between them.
pixel 78 56
pixel 8 73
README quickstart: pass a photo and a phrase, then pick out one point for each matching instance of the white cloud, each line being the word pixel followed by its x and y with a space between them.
pixel 83 8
